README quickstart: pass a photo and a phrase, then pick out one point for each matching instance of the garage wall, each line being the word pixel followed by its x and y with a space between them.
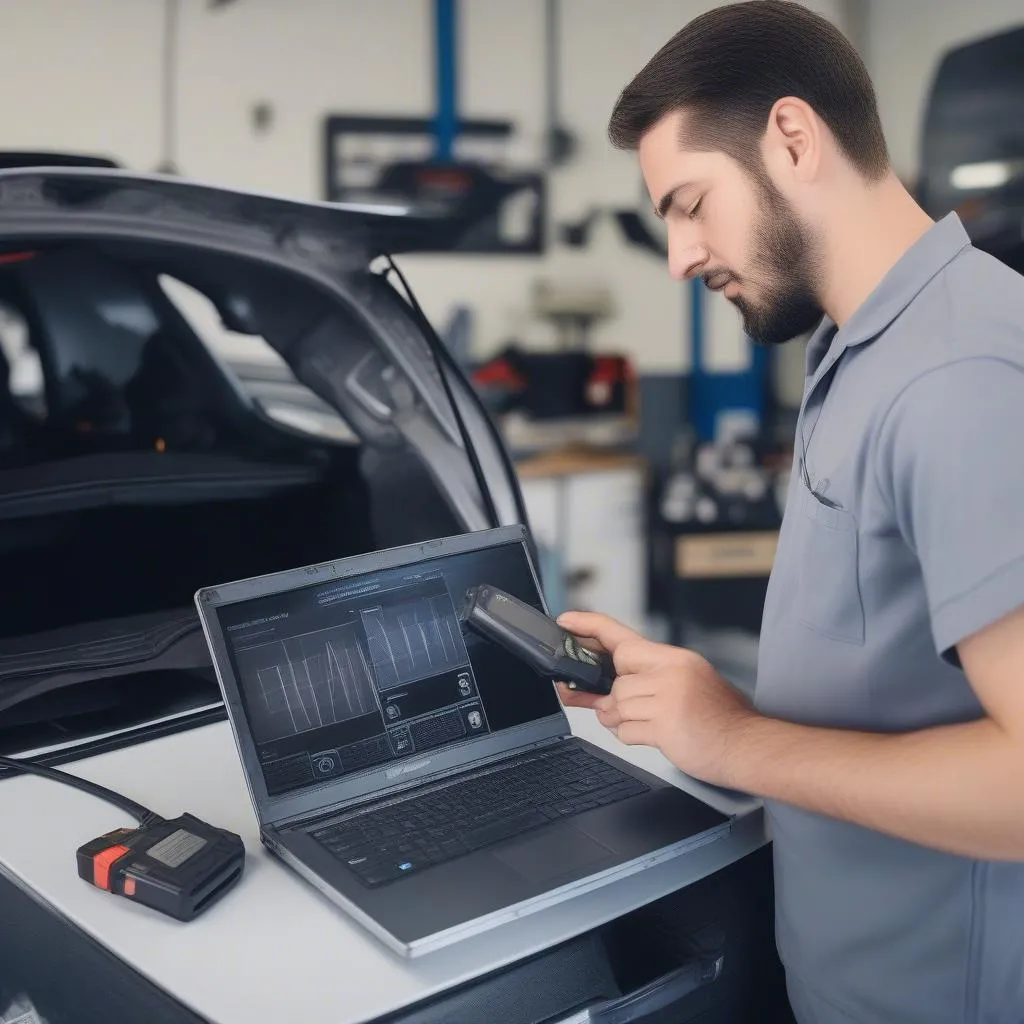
pixel 310 57
pixel 906 40
pixel 61 91
pixel 601 49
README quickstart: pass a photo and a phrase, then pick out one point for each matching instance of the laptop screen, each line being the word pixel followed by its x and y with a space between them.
pixel 348 674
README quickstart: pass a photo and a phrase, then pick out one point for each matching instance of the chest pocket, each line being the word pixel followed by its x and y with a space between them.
pixel 828 594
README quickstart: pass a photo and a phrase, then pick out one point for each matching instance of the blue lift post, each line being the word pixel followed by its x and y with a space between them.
pixel 446 128
pixel 701 418
pixel 714 393
pixel 446 54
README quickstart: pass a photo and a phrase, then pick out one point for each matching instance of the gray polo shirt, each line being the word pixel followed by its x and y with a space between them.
pixel 903 534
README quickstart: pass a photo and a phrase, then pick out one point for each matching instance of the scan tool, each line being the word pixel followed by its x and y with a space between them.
pixel 537 640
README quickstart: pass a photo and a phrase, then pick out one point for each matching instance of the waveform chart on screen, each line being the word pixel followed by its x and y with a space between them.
pixel 413 636
pixel 306 682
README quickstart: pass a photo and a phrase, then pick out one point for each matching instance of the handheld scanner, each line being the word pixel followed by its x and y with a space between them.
pixel 536 639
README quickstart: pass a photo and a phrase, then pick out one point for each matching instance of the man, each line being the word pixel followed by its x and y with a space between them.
pixel 887 731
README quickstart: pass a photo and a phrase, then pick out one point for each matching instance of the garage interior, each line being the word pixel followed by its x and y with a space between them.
pixel 652 441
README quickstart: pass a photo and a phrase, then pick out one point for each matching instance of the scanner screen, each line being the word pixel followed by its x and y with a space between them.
pixel 529 620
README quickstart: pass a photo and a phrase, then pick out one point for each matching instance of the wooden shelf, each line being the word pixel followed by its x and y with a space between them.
pixel 567 462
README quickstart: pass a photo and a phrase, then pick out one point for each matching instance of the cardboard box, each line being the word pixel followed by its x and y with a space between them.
pixel 721 555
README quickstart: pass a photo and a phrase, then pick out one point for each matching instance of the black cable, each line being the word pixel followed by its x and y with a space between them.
pixel 499 442
pixel 441 355
pixel 143 815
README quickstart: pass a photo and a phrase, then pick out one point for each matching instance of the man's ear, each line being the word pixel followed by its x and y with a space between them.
pixel 793 139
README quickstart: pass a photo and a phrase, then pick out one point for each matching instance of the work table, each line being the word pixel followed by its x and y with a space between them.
pixel 274 949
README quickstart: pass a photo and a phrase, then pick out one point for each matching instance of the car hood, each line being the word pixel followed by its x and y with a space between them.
pixel 91 198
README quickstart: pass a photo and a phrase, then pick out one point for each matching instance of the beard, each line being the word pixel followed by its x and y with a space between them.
pixel 786 269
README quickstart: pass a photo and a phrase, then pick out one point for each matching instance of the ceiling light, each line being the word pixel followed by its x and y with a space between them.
pixel 990 174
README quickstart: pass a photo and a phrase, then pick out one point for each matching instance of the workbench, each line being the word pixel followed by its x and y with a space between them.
pixel 275 950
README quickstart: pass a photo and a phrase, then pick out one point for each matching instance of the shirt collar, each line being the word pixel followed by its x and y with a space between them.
pixel 932 252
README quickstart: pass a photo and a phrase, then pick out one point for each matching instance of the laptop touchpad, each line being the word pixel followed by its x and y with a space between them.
pixel 564 851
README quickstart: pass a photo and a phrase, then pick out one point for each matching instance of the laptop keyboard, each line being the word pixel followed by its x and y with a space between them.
pixel 399 838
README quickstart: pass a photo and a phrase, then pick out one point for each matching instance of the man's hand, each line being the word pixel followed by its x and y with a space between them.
pixel 944 787
pixel 664 697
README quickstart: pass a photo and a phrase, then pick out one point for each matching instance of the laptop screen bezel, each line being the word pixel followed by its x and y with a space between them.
pixel 311 799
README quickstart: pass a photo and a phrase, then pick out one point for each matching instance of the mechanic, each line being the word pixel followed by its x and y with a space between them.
pixel 886 734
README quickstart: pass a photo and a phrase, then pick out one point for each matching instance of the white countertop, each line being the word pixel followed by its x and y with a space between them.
pixel 274 949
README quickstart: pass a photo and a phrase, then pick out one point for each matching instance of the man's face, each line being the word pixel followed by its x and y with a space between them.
pixel 736 232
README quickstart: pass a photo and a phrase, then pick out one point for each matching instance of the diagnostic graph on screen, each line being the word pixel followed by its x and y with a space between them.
pixel 309 681
pixel 414 638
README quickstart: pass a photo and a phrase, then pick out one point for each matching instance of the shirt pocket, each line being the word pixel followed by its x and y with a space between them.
pixel 828 595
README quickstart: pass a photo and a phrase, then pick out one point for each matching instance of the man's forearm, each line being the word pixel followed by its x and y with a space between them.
pixel 956 788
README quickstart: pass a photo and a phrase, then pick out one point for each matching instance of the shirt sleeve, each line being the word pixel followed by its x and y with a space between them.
pixel 951 463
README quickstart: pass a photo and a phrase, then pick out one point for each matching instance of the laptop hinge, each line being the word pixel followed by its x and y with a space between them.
pixel 424 782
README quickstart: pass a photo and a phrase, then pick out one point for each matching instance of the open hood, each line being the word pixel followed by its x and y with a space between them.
pixel 358 344
pixel 84 198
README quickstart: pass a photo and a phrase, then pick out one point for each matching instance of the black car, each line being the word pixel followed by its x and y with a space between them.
pixel 199 385
pixel 972 147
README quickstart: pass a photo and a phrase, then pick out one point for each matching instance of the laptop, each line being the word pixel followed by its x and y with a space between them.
pixel 421 777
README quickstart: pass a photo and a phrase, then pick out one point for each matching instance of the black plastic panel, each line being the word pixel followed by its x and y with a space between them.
pixel 69 978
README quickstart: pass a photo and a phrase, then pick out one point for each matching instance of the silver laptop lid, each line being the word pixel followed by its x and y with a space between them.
pixel 346 678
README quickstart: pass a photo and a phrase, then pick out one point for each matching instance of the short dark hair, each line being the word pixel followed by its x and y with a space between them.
pixel 727 68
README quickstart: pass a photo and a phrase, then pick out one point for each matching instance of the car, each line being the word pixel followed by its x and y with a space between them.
pixel 198 385
pixel 971 151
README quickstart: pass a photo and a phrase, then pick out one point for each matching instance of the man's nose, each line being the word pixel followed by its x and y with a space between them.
pixel 685 259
